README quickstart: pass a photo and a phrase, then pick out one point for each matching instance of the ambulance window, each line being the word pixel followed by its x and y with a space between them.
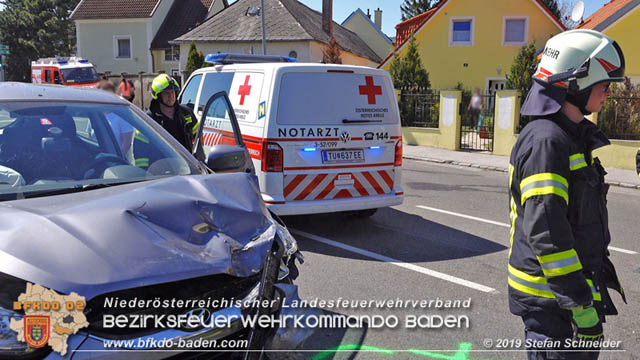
pixel 47 75
pixel 212 84
pixel 218 127
pixel 188 96
pixel 331 98
pixel 56 78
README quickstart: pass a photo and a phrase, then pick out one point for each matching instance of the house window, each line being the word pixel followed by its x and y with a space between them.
pixel 172 54
pixel 122 47
pixel 515 31
pixel 461 32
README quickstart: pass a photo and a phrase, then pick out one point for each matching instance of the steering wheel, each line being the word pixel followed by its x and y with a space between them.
pixel 103 161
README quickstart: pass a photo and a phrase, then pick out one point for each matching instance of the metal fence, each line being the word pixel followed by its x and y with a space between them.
pixel 620 118
pixel 420 109
pixel 476 130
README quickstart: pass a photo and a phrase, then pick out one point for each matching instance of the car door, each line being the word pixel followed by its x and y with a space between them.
pixel 219 134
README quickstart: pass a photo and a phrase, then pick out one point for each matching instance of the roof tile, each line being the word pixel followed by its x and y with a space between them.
pixel 285 20
pixel 113 9
pixel 184 16
pixel 603 14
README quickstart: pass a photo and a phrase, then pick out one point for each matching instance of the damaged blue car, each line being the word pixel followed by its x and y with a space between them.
pixel 80 212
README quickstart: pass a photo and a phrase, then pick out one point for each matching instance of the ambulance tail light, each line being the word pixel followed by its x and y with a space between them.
pixel 398 160
pixel 271 157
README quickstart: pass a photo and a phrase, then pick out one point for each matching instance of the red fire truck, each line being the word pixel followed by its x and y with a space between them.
pixel 70 71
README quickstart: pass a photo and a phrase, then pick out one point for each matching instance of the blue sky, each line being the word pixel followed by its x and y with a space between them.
pixel 391 9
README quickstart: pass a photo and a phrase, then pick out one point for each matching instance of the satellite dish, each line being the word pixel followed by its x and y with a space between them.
pixel 577 12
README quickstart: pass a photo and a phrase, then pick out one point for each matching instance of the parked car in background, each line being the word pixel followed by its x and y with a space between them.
pixel 78 215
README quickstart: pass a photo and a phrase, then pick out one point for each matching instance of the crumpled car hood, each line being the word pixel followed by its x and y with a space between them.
pixel 137 234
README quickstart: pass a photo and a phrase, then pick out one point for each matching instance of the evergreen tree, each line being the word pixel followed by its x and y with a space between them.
pixel 521 69
pixel 407 72
pixel 35 29
pixel 411 8
pixel 194 59
pixel 331 53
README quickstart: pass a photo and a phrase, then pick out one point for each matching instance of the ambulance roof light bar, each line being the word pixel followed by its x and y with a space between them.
pixel 226 58
pixel 60 60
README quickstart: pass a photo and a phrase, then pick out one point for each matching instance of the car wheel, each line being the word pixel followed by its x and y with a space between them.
pixel 364 213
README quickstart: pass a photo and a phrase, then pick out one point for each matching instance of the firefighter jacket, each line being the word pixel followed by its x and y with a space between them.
pixel 558 258
pixel 184 129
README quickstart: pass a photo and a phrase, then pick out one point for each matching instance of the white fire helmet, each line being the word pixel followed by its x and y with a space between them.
pixel 571 63
pixel 578 59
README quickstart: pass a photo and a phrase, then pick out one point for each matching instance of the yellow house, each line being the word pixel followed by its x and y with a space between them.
pixel 619 20
pixel 474 42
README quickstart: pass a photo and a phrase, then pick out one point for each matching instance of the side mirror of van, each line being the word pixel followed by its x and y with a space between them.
pixel 227 158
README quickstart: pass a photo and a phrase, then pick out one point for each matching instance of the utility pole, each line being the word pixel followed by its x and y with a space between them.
pixel 264 40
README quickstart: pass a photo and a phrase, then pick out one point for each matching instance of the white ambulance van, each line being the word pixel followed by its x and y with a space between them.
pixel 323 138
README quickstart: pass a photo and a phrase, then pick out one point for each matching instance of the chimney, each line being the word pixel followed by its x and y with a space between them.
pixel 378 18
pixel 368 14
pixel 327 16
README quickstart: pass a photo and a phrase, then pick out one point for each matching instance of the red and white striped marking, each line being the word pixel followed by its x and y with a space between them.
pixel 337 185
pixel 211 138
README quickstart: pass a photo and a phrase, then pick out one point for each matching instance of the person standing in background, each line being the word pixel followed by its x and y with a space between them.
pixel 127 90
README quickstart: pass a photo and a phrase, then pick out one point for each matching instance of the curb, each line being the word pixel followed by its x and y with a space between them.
pixel 457 163
pixel 499 169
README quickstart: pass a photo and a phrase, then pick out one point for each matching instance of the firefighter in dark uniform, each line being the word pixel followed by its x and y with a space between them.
pixel 559 269
pixel 177 119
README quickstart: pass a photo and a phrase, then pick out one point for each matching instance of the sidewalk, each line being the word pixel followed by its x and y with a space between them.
pixel 483 160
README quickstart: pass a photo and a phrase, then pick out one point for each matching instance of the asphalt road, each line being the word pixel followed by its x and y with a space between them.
pixel 416 251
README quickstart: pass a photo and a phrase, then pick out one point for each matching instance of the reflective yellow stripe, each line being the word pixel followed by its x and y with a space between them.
pixel 544 184
pixel 538 285
pixel 142 162
pixel 596 295
pixel 530 291
pixel 576 161
pixel 557 256
pixel 529 284
pixel 560 263
pixel 527 277
pixel 194 129
pixel 545 191
pixel 543 176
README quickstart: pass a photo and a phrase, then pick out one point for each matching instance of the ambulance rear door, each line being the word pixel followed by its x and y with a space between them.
pixel 339 130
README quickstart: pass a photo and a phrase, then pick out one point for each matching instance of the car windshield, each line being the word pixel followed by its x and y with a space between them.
pixel 53 146
pixel 80 75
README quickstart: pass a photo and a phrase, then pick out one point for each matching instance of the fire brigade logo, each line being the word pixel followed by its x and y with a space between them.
pixel 36 330
pixel 345 137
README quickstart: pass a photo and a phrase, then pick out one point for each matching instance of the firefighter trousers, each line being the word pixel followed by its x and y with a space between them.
pixel 548 336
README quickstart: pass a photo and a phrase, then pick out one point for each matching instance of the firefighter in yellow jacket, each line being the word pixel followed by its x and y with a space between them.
pixel 559 269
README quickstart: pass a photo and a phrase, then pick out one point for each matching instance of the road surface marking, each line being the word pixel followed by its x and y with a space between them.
pixel 399 263
pixel 465 216
pixel 624 251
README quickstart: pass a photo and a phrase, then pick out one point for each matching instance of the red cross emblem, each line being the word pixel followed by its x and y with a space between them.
pixel 244 90
pixel 370 90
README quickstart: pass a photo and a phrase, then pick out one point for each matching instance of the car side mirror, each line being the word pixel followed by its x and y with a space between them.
pixel 227 158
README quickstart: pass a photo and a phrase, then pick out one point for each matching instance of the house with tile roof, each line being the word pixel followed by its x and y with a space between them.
pixel 474 42
pixel 292 29
pixel 133 35
pixel 619 19
pixel 369 31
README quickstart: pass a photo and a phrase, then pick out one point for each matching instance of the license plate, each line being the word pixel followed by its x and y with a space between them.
pixel 342 156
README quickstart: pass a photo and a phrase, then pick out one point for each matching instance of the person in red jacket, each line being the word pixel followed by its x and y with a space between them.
pixel 127 90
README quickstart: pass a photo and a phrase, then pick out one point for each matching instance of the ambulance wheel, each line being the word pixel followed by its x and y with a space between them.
pixel 364 213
